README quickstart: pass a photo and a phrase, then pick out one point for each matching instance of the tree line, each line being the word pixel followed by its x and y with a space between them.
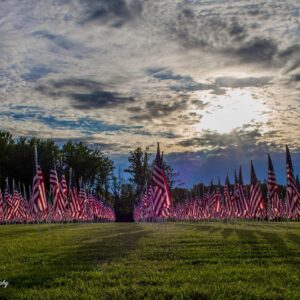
pixel 89 164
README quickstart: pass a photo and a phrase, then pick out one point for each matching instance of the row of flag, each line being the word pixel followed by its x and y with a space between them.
pixel 229 201
pixel 65 203
pixel 156 202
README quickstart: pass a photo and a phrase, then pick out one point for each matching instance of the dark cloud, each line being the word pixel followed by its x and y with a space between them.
pixel 290 51
pixel 237 31
pixel 291 56
pixel 113 12
pixel 77 82
pixel 258 50
pixel 158 109
pixel 205 29
pixel 296 77
pixel 217 141
pixel 85 94
pixel 199 104
pixel 141 117
pixel 99 99
pixel 134 109
pixel 215 32
pixel 188 84
pixel 165 74
pixel 183 83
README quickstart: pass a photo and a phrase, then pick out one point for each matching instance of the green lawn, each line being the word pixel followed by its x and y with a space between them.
pixel 162 261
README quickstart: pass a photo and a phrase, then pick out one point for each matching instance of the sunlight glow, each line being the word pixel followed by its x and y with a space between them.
pixel 233 110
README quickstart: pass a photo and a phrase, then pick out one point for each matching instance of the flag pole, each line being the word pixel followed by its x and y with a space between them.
pixel 70 176
pixel 35 156
pixel 269 210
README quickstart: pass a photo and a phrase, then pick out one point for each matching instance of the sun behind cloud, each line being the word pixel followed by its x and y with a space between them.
pixel 233 110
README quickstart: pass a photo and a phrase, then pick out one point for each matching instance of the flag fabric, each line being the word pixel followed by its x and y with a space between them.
pixel 58 202
pixel 39 199
pixel 8 202
pixel 274 203
pixel 256 199
pixel 74 202
pixel 292 192
pixel 1 208
pixel 241 204
pixel 212 202
pixel 228 198
pixel 83 203
pixel 161 197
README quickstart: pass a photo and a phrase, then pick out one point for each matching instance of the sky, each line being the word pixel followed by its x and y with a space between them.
pixel 217 83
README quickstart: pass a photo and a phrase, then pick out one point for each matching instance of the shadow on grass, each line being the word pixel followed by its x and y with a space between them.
pixel 226 232
pixel 19 231
pixel 248 238
pixel 275 242
pixel 264 245
pixel 294 238
pixel 83 255
pixel 210 229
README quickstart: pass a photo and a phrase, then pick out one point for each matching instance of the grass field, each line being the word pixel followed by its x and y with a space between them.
pixel 162 261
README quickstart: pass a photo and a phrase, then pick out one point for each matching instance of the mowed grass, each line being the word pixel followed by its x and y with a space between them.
pixel 211 260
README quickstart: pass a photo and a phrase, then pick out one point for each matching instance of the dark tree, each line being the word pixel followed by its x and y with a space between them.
pixel 125 203
pixel 17 161
pixel 91 165
pixel 139 170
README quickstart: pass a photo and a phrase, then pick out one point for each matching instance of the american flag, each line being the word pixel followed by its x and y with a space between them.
pixel 205 201
pixel 298 182
pixel 83 202
pixel 74 198
pixel 9 205
pixel 272 190
pixel 74 202
pixel 241 205
pixel 256 199
pixel 19 207
pixel 228 197
pixel 58 203
pixel 161 197
pixel 292 192
pixel 64 189
pixel 39 199
pixel 214 201
pixel 168 203
pixel 222 210
pixel 1 208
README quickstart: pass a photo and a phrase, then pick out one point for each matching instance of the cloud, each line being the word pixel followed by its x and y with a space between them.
pixel 165 74
pixel 258 50
pixel 38 72
pixel 85 94
pixel 217 142
pixel 224 30
pixel 58 40
pixel 134 109
pixel 99 99
pixel 296 77
pixel 113 12
pixel 86 125
pixel 127 73
pixel 158 109
pixel 187 83
pixel 232 82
